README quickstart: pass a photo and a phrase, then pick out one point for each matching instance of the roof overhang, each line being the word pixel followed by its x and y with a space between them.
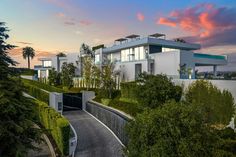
pixel 152 41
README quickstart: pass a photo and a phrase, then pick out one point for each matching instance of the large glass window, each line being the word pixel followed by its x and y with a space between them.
pixel 165 49
pixel 122 55
pixel 97 58
pixel 132 54
pixel 141 53
pixel 47 63
pixel 136 53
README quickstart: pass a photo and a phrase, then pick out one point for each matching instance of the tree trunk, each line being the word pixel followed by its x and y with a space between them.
pixel 28 62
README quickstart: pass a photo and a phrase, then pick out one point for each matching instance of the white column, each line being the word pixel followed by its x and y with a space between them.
pixel 215 70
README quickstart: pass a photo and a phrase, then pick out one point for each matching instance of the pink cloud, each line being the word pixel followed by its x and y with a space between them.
pixel 140 17
pixel 85 22
pixel 206 23
pixel 167 22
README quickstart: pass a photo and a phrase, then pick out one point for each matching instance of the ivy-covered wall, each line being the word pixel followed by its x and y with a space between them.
pixel 36 92
pixel 57 125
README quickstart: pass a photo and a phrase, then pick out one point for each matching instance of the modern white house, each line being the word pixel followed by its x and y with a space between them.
pixel 56 62
pixel 154 54
pixel 133 55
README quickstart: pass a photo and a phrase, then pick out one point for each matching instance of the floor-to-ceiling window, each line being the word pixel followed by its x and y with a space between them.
pixel 165 49
pixel 133 54
pixel 47 63
pixel 97 58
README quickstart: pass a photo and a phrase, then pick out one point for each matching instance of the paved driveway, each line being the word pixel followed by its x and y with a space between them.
pixel 94 140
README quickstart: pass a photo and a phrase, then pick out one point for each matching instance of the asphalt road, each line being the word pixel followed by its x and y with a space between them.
pixel 94 140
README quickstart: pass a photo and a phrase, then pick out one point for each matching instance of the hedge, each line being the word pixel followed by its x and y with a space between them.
pixel 128 90
pixel 37 92
pixel 43 86
pixel 57 125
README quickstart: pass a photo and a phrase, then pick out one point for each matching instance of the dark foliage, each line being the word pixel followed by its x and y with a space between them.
pixel 154 90
pixel 173 130
pixel 17 131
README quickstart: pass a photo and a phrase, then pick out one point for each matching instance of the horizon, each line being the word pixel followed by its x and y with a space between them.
pixel 52 26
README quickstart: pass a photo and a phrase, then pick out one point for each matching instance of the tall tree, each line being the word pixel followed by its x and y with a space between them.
pixel 17 132
pixel 67 74
pixel 29 53
pixel 85 50
pixel 87 70
pixel 108 79
pixel 53 77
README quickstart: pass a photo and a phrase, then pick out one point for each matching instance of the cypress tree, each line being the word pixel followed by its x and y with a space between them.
pixel 17 131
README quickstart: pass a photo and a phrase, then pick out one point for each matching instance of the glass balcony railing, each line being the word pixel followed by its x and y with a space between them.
pixel 208 56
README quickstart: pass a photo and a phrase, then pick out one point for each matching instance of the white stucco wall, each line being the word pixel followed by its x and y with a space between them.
pixel 167 63
pixel 116 56
pixel 27 77
pixel 221 84
pixel 128 69
pixel 54 63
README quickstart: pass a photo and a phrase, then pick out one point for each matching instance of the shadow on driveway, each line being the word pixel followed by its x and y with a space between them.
pixel 94 140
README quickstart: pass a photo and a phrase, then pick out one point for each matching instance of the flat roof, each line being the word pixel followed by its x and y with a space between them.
pixel 45 59
pixel 152 41
pixel 132 36
pixel 157 35
pixel 121 39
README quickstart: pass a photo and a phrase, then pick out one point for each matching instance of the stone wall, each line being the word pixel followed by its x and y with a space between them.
pixel 112 118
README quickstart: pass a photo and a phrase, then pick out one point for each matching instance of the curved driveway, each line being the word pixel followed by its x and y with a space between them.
pixel 94 140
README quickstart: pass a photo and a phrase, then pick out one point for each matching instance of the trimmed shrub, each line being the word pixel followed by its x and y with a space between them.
pixel 42 86
pixel 154 90
pixel 57 125
pixel 37 93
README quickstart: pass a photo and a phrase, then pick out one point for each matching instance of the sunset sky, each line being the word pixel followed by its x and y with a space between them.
pixel 52 26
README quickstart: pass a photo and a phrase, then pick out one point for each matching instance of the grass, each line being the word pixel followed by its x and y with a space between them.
pixel 43 86
pixel 123 104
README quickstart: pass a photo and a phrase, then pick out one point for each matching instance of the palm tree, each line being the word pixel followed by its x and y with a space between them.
pixel 61 54
pixel 29 53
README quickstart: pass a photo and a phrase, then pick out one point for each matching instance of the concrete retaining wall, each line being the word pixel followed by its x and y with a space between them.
pixel 27 77
pixel 221 84
pixel 112 118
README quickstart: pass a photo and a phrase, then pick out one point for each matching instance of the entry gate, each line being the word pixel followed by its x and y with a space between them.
pixel 72 101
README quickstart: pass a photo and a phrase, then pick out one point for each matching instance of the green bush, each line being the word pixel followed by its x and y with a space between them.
pixel 217 106
pixel 173 130
pixel 154 90
pixel 57 125
pixel 128 90
pixel 42 86
pixel 37 93
pixel 128 107
pixel 105 101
